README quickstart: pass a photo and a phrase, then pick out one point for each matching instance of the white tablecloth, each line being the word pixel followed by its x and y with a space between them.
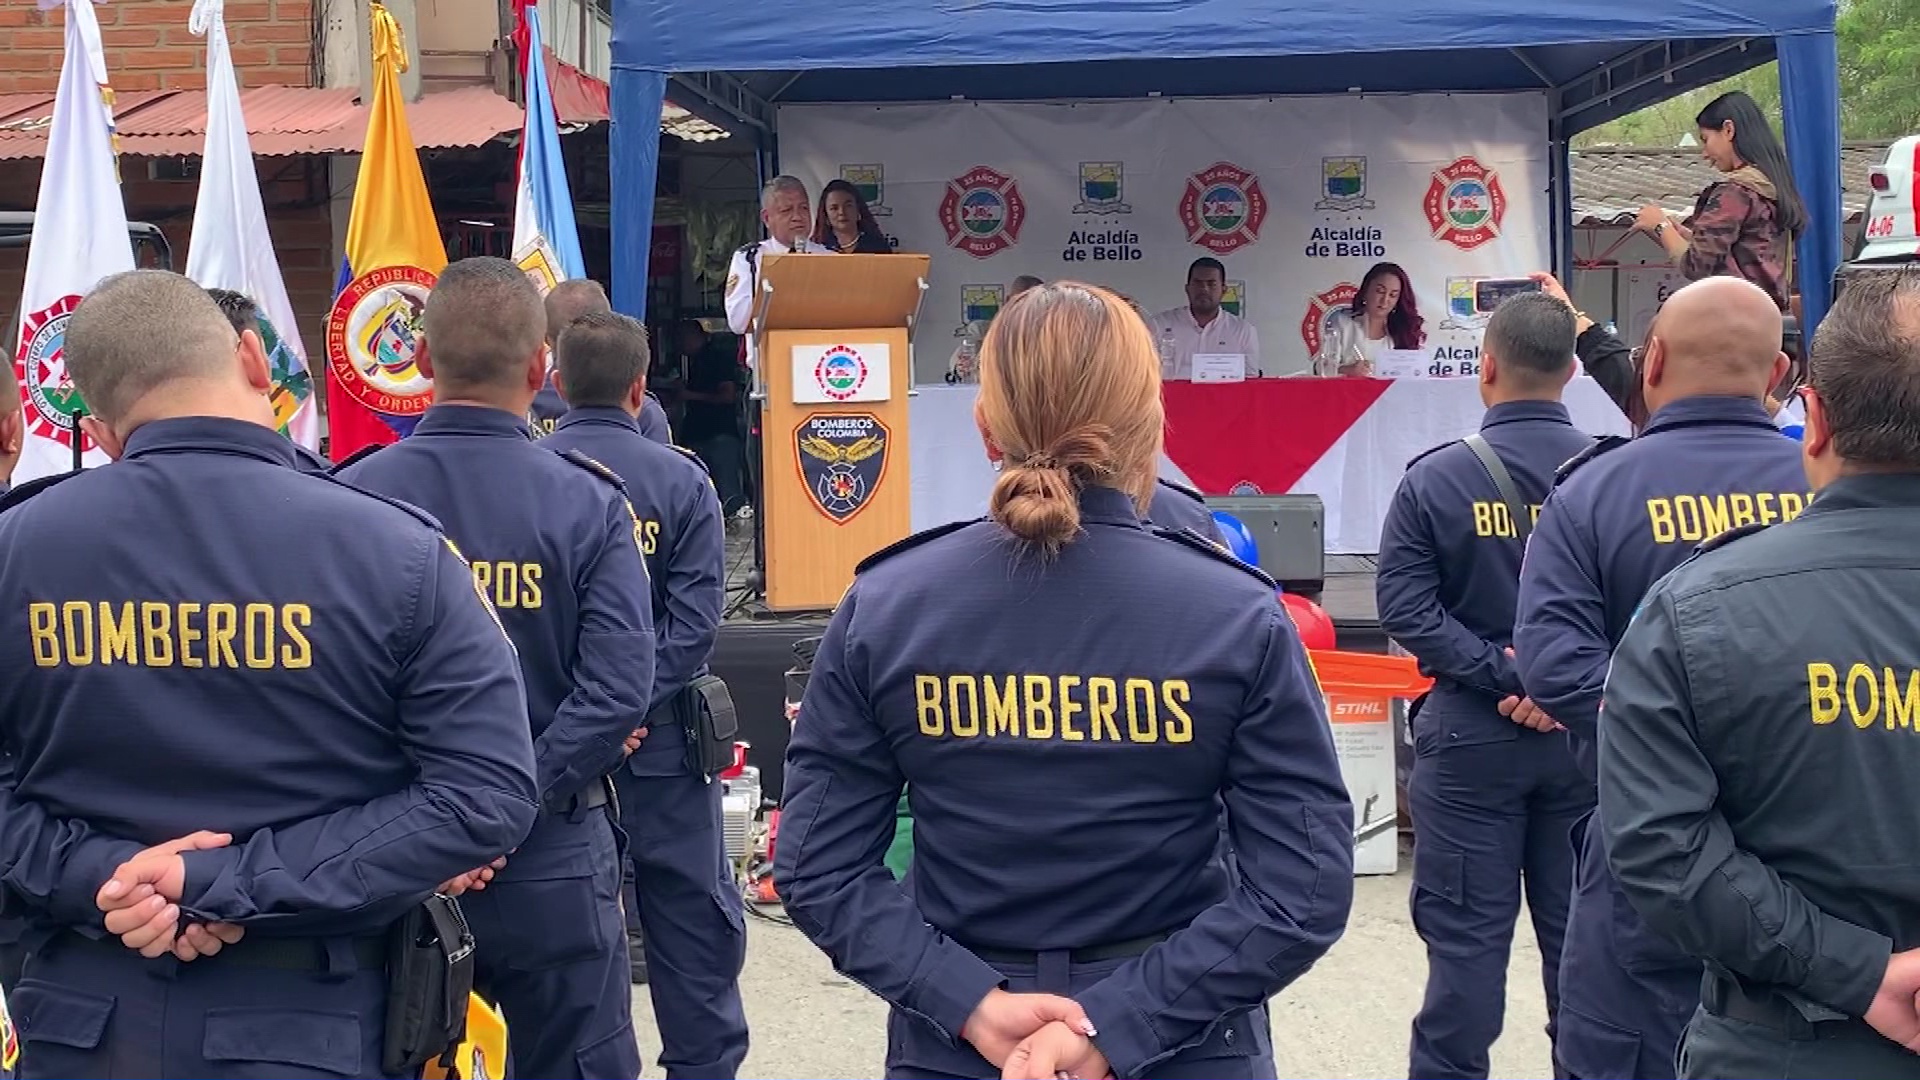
pixel 1355 477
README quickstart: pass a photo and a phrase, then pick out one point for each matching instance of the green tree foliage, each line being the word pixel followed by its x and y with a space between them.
pixel 1879 45
pixel 1879 68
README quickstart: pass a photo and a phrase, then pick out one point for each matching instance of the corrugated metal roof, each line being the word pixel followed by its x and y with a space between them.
pixel 1611 184
pixel 290 120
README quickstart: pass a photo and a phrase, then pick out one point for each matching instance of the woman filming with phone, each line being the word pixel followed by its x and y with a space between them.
pixel 1744 223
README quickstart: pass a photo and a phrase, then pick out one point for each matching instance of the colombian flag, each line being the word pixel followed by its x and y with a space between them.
pixel 394 255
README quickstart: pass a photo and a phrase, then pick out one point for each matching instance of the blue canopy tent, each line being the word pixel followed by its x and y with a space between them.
pixel 733 64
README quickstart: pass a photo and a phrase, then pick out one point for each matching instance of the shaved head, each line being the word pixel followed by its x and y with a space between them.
pixel 571 299
pixel 1717 336
pixel 142 331
pixel 483 324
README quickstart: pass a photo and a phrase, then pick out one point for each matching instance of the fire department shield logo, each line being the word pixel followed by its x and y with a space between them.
pixel 843 459
pixel 871 182
pixel 982 212
pixel 372 335
pixel 1223 208
pixel 1465 205
pixel 1313 326
pixel 41 366
pixel 292 386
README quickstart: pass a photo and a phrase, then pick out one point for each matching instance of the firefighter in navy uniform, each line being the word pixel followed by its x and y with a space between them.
pixel 1063 688
pixel 1620 517
pixel 354 727
pixel 567 301
pixel 1758 756
pixel 685 903
pixel 556 546
pixel 1494 789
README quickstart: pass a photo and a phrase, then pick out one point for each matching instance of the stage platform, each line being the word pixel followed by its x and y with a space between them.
pixel 755 647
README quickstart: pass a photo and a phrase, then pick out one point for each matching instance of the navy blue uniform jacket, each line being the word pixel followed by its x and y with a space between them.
pixel 556 547
pixel 1619 521
pixel 682 536
pixel 1450 562
pixel 1758 755
pixel 1067 734
pixel 201 637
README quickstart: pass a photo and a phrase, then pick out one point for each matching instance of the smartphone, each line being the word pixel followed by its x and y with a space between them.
pixel 1490 293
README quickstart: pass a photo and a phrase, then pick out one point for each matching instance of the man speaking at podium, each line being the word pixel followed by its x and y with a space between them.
pixel 788 214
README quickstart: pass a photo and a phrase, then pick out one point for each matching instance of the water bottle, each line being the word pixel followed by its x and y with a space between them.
pixel 1166 349
pixel 1612 330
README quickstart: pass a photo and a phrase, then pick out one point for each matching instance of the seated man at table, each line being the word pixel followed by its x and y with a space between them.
pixel 1203 327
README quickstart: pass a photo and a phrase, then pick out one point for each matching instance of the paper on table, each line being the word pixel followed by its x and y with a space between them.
pixel 1401 364
pixel 1219 367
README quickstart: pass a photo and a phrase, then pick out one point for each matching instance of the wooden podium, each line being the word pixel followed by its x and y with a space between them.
pixel 833 335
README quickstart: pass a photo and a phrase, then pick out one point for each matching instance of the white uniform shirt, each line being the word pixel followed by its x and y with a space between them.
pixel 743 285
pixel 1227 333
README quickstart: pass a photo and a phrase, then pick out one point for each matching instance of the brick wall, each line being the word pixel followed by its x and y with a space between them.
pixel 297 218
pixel 150 48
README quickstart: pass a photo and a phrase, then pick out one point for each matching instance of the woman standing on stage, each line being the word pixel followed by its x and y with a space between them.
pixel 1744 223
pixel 1069 695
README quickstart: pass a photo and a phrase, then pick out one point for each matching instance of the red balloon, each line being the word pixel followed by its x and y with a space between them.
pixel 1312 620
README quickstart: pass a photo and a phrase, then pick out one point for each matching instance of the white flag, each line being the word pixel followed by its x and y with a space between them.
pixel 79 237
pixel 230 247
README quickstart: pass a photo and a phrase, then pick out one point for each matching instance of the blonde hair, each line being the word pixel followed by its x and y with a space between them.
pixel 1070 394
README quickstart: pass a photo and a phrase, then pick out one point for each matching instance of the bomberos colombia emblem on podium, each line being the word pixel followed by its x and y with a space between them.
pixel 843 459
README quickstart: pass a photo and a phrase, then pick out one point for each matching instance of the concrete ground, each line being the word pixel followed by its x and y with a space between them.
pixel 1347 1018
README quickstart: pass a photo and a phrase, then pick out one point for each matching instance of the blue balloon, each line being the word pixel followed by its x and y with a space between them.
pixel 1239 537
pixel 1794 431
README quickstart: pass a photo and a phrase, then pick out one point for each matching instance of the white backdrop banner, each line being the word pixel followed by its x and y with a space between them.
pixel 1296 196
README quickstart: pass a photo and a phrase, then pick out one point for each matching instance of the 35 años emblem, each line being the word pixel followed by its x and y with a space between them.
pixel 843 458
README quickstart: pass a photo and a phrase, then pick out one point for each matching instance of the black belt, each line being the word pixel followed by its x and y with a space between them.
pixel 1726 998
pixel 1090 954
pixel 280 954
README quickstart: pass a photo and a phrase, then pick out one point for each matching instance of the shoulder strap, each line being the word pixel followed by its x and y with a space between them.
pixel 1503 480
pixel 1190 539
pixel 577 458
pixel 912 542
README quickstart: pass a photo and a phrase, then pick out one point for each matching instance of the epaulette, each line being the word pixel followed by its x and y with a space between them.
pixel 428 519
pixel 1429 452
pixel 912 542
pixel 356 457
pixel 22 492
pixel 691 456
pixel 1213 551
pixel 1715 543
pixel 1182 489
pixel 595 468
pixel 311 460
pixel 1600 446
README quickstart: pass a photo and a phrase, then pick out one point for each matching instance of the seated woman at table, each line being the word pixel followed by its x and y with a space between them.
pixel 1383 316
pixel 845 225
